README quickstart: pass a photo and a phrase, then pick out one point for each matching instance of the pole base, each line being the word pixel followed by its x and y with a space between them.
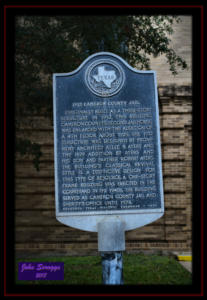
pixel 112 267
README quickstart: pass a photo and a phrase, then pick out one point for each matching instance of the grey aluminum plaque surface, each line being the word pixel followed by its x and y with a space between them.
pixel 107 144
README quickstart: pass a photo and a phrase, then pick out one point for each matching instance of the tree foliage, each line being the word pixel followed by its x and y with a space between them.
pixel 48 44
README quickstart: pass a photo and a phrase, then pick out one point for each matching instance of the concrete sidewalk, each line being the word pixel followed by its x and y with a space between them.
pixel 185 259
pixel 187 265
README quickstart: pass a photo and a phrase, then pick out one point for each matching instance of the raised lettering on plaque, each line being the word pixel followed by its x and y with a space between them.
pixel 107 144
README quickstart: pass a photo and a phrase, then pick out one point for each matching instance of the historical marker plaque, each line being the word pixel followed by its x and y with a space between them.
pixel 107 144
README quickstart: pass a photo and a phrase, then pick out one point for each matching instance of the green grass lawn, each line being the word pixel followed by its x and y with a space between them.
pixel 139 269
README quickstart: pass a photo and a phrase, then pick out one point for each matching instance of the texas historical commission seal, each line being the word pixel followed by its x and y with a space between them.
pixel 104 77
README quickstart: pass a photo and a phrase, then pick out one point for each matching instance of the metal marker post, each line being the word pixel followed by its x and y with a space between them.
pixel 112 267
pixel 139 91
pixel 111 243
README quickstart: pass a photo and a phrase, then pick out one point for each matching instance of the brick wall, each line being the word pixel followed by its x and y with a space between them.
pixel 38 231
pixel 181 42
